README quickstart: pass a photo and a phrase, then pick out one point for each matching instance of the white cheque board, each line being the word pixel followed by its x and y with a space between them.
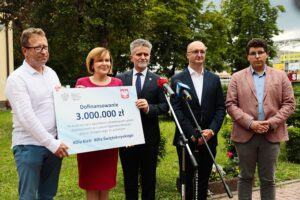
pixel 91 119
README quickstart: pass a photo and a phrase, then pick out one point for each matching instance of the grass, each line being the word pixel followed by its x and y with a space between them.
pixel 167 171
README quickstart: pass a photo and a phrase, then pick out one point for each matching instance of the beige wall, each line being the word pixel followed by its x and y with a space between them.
pixel 3 59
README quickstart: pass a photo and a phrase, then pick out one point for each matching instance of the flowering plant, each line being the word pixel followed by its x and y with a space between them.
pixel 230 154
pixel 231 167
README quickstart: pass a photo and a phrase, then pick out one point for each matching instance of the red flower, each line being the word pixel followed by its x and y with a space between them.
pixel 229 154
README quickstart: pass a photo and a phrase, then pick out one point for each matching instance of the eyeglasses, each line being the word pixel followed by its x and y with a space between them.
pixel 142 54
pixel 254 54
pixel 39 49
pixel 196 52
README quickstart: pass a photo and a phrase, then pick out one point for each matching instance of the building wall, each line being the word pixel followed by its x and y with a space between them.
pixel 288 55
pixel 4 63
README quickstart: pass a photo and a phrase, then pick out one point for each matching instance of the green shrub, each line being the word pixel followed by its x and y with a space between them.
pixel 294 119
pixel 231 167
pixel 293 145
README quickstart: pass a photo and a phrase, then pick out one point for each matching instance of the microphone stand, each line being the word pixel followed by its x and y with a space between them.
pixel 198 129
pixel 183 142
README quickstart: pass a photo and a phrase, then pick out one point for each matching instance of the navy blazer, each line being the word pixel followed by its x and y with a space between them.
pixel 209 114
pixel 157 104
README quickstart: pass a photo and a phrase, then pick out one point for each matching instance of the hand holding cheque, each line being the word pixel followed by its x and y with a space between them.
pixel 90 119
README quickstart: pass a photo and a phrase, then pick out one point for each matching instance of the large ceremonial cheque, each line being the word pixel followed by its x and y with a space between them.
pixel 90 119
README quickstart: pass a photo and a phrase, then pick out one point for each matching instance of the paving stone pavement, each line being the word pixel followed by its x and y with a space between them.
pixel 289 190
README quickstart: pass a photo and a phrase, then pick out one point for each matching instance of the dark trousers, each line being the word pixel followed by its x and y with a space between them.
pixel 139 160
pixel 204 169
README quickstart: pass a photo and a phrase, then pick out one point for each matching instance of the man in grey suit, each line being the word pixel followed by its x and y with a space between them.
pixel 151 102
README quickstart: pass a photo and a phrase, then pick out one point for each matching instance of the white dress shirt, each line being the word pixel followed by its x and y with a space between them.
pixel 197 81
pixel 143 77
pixel 30 94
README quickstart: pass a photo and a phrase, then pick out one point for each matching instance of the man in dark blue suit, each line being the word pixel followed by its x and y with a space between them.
pixel 208 106
pixel 142 159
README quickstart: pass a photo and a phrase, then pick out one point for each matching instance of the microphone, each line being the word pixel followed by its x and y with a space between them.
pixel 182 89
pixel 163 83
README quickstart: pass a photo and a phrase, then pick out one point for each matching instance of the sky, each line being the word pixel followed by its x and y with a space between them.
pixel 288 21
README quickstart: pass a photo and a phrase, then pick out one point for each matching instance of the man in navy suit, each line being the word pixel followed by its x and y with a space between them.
pixel 142 159
pixel 207 104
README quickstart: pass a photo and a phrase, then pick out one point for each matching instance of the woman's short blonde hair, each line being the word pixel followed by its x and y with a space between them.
pixel 96 54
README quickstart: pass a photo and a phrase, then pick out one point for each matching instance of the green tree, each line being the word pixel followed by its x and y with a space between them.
pixel 249 19
pixel 176 23
pixel 74 27
pixel 17 12
pixel 111 24
pixel 214 33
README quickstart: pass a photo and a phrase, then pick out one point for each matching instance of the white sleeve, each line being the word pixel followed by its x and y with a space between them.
pixel 20 101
